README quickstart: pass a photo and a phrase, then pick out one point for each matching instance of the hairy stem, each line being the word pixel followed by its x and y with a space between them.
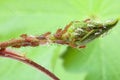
pixel 13 55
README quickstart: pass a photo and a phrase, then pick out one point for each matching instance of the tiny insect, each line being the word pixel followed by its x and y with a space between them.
pixel 79 33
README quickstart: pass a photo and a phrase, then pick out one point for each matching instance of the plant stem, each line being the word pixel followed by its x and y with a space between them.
pixel 13 55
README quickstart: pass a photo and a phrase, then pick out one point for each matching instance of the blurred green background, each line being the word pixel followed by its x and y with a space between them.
pixel 100 60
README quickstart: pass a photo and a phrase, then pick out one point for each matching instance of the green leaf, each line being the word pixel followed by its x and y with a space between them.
pixel 101 62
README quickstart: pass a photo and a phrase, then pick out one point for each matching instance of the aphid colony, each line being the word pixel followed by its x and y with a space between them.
pixel 78 33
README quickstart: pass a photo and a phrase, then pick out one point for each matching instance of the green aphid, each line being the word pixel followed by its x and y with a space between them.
pixel 82 32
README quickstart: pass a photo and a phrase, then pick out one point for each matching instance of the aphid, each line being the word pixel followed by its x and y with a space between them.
pixel 79 33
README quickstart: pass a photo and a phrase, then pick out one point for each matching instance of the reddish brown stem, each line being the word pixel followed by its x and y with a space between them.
pixel 13 55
